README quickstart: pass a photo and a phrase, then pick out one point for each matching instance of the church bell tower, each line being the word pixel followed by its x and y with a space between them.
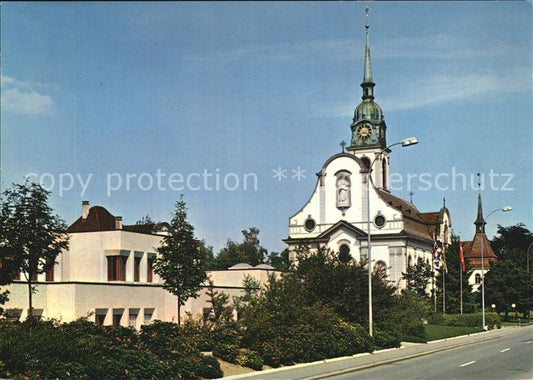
pixel 368 126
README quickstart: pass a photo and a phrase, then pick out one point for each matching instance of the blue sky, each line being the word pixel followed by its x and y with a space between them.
pixel 102 90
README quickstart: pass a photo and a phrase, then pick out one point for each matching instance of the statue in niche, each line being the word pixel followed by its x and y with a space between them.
pixel 343 190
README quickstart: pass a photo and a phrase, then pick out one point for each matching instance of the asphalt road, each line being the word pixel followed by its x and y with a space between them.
pixel 498 354
pixel 508 357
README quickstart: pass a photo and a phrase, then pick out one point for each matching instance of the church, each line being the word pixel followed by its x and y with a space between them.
pixel 352 199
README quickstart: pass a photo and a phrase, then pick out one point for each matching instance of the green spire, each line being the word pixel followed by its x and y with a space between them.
pixel 368 66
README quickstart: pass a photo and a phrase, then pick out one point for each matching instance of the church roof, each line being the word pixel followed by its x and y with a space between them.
pixel 407 209
pixel 430 217
pixel 98 219
pixel 474 248
pixel 414 223
pixel 340 224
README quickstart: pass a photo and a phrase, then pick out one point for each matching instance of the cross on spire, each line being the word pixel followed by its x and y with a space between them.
pixel 367 10
pixel 342 144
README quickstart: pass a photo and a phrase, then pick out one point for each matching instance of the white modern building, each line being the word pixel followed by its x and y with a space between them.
pixel 107 274
pixel 335 216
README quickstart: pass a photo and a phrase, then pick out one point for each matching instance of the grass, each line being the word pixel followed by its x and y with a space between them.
pixel 436 332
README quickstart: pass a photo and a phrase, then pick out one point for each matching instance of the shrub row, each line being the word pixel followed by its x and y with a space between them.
pixel 466 320
pixel 82 350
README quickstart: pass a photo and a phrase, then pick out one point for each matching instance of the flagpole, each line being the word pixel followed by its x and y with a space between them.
pixel 434 290
pixel 461 285
pixel 443 291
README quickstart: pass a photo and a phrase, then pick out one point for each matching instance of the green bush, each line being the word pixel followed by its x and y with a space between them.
pixel 227 352
pixel 250 359
pixel 385 339
pixel 82 350
pixel 315 333
pixel 208 367
pixel 466 320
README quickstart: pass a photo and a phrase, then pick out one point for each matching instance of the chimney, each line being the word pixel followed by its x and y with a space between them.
pixel 84 209
pixel 118 222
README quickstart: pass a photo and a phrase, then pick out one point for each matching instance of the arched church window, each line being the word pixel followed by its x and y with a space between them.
pixel 344 253
pixel 478 279
pixel 384 172
pixel 366 162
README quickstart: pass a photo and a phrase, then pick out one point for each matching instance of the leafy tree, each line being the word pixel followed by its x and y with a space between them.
pixel 180 261
pixel 508 283
pixel 251 289
pixel 512 243
pixel 207 252
pixel 249 251
pixel 222 311
pixel 146 225
pixel 31 236
pixel 325 279
pixel 453 283
pixel 279 260
pixel 418 276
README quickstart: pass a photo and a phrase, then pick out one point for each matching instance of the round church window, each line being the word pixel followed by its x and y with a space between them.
pixel 379 221
pixel 310 224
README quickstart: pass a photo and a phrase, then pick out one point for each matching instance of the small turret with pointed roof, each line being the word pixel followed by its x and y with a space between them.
pixel 480 221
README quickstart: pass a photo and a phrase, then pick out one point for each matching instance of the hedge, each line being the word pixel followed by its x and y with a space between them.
pixel 492 320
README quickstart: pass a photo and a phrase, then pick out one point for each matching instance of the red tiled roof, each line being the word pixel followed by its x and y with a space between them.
pixel 414 224
pixel 98 219
pixel 430 217
pixel 474 248
pixel 408 209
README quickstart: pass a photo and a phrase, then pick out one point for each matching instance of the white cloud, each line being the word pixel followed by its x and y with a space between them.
pixel 25 97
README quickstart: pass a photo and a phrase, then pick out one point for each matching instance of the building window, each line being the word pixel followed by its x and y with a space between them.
pixel 137 269
pixel 17 275
pixel 132 318
pixel 148 313
pixel 150 270
pixel 100 318
pixel 34 277
pixel 50 270
pixel 117 316
pixel 116 268
pixel 366 162
pixel 478 279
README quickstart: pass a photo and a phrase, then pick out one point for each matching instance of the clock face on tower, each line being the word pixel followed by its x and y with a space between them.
pixel 364 132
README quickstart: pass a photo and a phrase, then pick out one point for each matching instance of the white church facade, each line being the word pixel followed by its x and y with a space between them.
pixel 336 214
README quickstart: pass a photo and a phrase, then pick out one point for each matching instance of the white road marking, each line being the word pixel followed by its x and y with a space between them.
pixel 464 365
pixel 505 350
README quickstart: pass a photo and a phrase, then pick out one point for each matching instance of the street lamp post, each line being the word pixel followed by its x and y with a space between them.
pixel 405 142
pixel 527 256
pixel 503 209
